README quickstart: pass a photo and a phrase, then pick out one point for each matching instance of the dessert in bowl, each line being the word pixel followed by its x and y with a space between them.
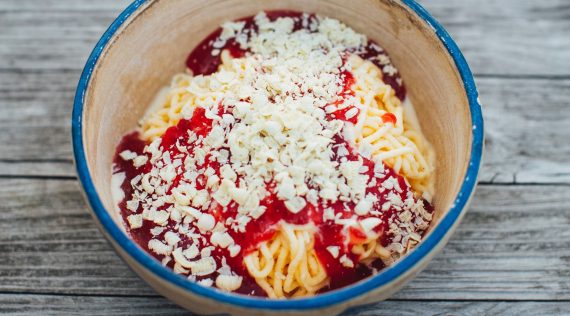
pixel 258 157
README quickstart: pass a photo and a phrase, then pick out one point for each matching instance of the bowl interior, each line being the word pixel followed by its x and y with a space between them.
pixel 153 45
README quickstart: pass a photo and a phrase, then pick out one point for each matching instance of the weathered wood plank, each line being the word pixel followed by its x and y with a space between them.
pixel 498 37
pixel 37 98
pixel 37 168
pixel 512 245
pixel 527 125
pixel 63 5
pixel 50 243
pixel 464 308
pixel 18 304
pixel 35 116
pixel 511 37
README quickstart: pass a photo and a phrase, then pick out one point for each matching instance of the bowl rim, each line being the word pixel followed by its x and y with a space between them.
pixel 327 299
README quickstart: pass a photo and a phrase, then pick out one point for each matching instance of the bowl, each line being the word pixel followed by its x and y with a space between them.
pixel 149 42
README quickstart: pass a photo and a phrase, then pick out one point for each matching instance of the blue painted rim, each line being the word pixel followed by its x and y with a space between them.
pixel 323 300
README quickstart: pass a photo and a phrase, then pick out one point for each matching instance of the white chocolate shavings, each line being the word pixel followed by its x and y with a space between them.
pixel 271 128
pixel 135 221
pixel 128 155
pixel 206 222
pixel 368 224
pixel 206 282
pixel 159 247
pixel 140 161
pixel 334 251
pixel 228 282
pixel 203 266
pixel 346 262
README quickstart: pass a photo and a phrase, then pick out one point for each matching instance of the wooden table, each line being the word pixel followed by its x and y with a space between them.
pixel 510 256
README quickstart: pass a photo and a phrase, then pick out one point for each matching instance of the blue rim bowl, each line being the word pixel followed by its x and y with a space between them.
pixel 321 300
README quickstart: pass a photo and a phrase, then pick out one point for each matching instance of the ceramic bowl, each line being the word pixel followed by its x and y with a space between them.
pixel 149 42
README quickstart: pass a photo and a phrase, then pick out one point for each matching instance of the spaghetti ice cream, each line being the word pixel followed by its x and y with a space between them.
pixel 284 163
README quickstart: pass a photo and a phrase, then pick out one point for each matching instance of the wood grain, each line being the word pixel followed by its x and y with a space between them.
pixel 512 245
pixel 32 305
pixel 509 37
pixel 527 125
pixel 14 304
pixel 53 168
pixel 35 116
pixel 527 119
pixel 65 31
pixel 510 256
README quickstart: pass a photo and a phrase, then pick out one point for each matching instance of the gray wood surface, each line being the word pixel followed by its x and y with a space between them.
pixel 36 305
pixel 510 256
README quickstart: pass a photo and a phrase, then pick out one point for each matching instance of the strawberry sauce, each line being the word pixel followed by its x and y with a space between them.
pixel 201 61
pixel 262 229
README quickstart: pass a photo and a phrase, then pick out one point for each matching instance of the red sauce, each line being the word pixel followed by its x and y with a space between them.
pixel 341 114
pixel 389 118
pixel 201 61
pixel 263 228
